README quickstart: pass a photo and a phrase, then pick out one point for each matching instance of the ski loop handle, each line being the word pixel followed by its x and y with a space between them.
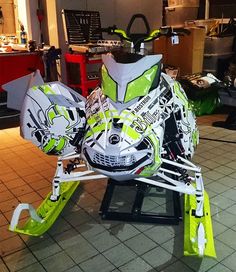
pixel 17 213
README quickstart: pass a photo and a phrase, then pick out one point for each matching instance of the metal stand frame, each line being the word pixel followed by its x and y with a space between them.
pixel 136 214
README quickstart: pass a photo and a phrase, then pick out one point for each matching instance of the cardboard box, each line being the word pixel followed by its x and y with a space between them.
pixel 178 15
pixel 187 55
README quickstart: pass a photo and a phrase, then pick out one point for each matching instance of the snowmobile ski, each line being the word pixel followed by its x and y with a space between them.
pixel 198 233
pixel 46 214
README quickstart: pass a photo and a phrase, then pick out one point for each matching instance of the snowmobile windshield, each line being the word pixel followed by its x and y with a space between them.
pixel 138 87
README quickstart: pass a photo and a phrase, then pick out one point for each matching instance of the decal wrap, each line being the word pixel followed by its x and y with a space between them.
pixel 52 117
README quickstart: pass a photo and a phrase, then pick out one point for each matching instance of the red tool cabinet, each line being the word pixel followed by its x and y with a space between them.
pixel 78 75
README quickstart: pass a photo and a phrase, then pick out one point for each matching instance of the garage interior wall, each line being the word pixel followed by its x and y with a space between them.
pixel 112 12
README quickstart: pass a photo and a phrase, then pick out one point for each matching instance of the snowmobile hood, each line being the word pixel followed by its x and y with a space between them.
pixel 122 82
pixel 123 142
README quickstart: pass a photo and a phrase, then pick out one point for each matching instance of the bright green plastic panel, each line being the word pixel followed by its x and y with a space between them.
pixel 109 86
pixel 141 85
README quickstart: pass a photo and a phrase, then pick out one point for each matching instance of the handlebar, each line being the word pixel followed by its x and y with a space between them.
pixel 163 31
pixel 138 38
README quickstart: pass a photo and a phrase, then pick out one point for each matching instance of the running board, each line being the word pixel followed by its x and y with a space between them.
pixel 46 214
pixel 198 233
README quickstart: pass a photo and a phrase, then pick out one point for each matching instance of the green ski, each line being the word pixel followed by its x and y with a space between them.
pixel 47 212
pixel 193 224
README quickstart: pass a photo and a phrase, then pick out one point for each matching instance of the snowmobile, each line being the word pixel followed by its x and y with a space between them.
pixel 137 126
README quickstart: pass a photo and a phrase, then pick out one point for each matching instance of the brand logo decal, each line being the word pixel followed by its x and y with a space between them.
pixel 114 139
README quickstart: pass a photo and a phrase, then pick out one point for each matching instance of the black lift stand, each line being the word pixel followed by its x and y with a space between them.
pixel 139 202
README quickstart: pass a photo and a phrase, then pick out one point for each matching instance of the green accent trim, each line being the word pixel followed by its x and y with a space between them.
pixel 47 90
pixel 87 135
pixel 51 115
pixel 109 86
pixel 61 144
pixel 122 33
pixel 181 95
pixel 122 118
pixel 62 111
pixel 100 127
pixel 109 114
pixel 49 211
pixel 195 137
pixel 151 169
pixel 130 132
pixel 96 129
pixel 91 120
pixel 152 35
pixel 49 146
pixel 141 85
pixel 206 104
pixel 191 224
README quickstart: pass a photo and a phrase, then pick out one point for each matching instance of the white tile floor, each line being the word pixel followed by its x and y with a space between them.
pixel 81 241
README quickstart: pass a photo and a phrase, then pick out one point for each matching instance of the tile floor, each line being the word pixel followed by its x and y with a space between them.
pixel 81 241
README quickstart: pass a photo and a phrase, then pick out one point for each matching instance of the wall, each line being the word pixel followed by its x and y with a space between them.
pixel 34 32
pixel 116 12
pixel 27 13
pixel 24 14
pixel 112 12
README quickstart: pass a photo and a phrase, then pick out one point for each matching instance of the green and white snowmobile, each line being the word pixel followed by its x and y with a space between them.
pixel 137 125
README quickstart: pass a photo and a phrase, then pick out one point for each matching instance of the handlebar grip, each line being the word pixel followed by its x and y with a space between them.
pixel 109 30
